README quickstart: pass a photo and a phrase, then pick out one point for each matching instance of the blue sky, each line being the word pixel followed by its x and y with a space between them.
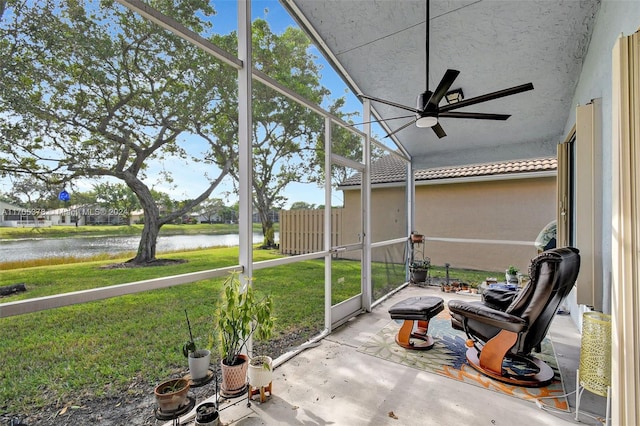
pixel 278 19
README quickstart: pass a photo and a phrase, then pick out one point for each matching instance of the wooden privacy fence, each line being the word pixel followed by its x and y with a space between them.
pixel 302 231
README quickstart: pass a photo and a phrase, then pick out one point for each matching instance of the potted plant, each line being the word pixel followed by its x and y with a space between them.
pixel 171 394
pixel 511 274
pixel 239 315
pixel 260 375
pixel 199 359
pixel 419 270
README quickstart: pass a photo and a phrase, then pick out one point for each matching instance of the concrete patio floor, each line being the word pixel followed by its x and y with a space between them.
pixel 333 383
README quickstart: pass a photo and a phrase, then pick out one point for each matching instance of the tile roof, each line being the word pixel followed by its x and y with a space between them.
pixel 391 169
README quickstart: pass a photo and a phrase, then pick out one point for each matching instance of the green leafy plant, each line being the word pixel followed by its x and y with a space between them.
pixel 172 386
pixel 240 315
pixel 420 265
pixel 512 270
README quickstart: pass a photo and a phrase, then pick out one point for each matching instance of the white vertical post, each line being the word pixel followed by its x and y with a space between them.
pixel 411 211
pixel 245 161
pixel 244 137
pixel 367 290
pixel 411 197
pixel 327 224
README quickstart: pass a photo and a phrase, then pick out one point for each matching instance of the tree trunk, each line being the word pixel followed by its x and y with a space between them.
pixel 152 219
pixel 148 240
pixel 268 233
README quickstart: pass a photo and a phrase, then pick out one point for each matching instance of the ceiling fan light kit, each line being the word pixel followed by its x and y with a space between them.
pixel 454 96
pixel 428 112
pixel 426 121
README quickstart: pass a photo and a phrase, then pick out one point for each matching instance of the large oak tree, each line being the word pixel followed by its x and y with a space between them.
pixel 90 89
pixel 93 90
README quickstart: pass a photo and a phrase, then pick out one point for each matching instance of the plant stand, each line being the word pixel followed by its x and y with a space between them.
pixel 416 247
pixel 416 254
pixel 218 397
pixel 174 415
pixel 261 390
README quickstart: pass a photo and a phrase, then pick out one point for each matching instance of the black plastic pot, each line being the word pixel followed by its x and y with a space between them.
pixel 418 275
pixel 207 414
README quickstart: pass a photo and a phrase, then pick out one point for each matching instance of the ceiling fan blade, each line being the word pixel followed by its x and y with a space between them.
pixel 439 131
pixel 474 115
pixel 389 103
pixel 488 97
pixel 401 128
pixel 384 119
pixel 443 87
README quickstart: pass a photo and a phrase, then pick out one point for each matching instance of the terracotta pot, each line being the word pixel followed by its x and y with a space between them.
pixel 171 394
pixel 260 371
pixel 234 377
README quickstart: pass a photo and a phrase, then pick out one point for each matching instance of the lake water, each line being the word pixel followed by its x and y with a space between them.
pixel 27 249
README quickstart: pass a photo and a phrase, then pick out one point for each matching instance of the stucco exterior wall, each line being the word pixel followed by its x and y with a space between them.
pixel 492 224
pixel 388 220
pixel 388 214
pixel 485 225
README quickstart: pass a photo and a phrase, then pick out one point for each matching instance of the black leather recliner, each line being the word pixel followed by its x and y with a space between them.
pixel 507 326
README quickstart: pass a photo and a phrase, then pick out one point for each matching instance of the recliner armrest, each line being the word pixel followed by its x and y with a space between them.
pixel 498 298
pixel 487 315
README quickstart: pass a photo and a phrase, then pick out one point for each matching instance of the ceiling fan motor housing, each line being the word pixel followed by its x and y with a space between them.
pixel 427 117
pixel 422 100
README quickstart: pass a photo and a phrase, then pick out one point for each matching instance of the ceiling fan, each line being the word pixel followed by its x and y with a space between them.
pixel 428 112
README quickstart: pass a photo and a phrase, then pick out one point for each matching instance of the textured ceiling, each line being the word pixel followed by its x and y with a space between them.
pixel 379 45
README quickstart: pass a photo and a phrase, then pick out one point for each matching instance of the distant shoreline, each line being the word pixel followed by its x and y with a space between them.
pixel 58 231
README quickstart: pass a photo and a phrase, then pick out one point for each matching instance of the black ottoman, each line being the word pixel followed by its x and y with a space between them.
pixel 420 309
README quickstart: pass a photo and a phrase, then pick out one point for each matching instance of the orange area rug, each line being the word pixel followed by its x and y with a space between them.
pixel 447 358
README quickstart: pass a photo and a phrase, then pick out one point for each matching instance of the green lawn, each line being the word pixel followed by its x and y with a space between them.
pixel 95 349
